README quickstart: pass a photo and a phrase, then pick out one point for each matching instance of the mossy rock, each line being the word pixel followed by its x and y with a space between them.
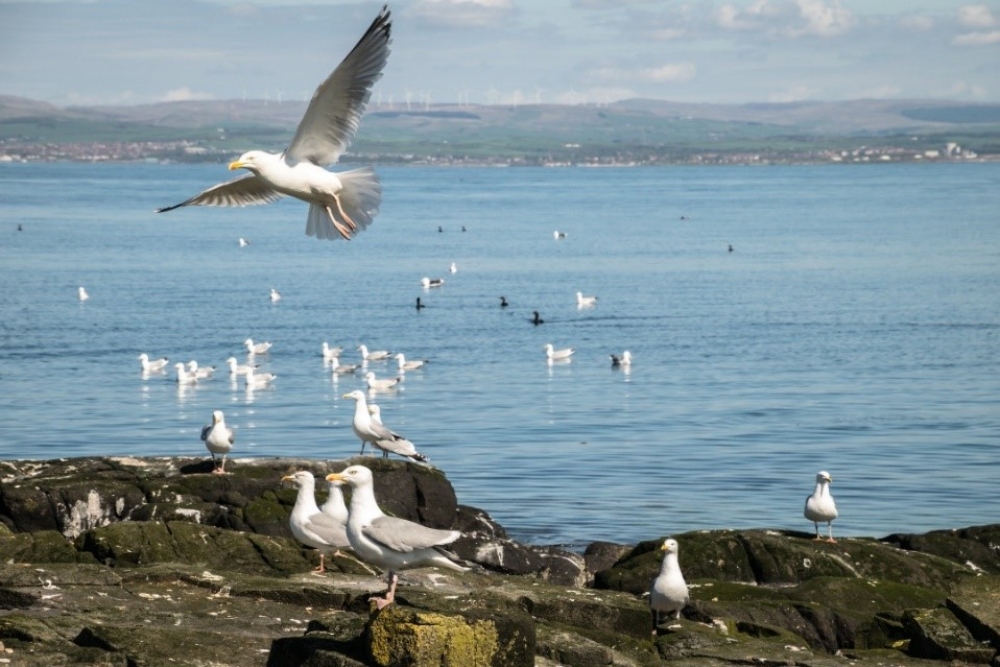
pixel 936 634
pixel 419 638
pixel 46 546
pixel 129 543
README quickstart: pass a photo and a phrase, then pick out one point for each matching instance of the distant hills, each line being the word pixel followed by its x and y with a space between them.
pixel 627 131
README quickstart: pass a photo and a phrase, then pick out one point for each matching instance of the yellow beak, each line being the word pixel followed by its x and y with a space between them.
pixel 335 477
pixel 235 165
pixel 287 478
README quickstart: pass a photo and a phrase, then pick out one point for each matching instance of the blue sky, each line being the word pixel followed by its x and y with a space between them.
pixel 505 51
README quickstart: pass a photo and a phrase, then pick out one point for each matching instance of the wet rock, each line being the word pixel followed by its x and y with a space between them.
pixel 173 565
pixel 936 634
pixel 976 603
pixel 973 546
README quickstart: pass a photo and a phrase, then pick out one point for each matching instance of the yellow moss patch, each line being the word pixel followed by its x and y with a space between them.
pixel 423 638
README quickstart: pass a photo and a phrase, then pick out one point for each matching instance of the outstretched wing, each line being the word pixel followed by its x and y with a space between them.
pixel 247 190
pixel 335 111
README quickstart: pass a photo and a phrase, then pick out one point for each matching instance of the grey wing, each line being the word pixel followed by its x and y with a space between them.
pixel 205 431
pixel 382 433
pixel 335 110
pixel 246 190
pixel 328 528
pixel 406 536
pixel 232 436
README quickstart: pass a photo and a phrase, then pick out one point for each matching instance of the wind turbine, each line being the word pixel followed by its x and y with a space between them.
pixel 492 95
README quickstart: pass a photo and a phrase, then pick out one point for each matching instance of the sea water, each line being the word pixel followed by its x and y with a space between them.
pixel 853 327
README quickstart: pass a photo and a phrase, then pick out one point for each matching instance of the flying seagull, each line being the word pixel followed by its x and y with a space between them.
pixel 340 204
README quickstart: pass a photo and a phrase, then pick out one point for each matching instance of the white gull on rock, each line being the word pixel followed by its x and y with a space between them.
pixel 820 506
pixel 669 593
pixel 310 525
pixel 218 439
pixel 390 542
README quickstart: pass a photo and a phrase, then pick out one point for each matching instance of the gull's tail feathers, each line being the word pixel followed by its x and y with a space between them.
pixel 360 199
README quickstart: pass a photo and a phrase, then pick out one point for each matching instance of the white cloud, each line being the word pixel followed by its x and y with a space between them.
pixel 978 38
pixel 788 18
pixel 184 94
pixel 976 16
pixel 670 72
pixel 666 73
pixel 459 13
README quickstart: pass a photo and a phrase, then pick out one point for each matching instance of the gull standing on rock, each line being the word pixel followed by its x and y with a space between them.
pixel 669 593
pixel 219 439
pixel 310 525
pixel 395 443
pixel 340 204
pixel 820 506
pixel 372 431
pixel 390 542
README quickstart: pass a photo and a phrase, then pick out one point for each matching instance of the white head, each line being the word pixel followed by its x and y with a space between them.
pixel 231 361
pixel 626 356
pixel 218 417
pixel 425 281
pixel 363 349
pixel 669 546
pixel 353 476
pixel 823 476
pixel 143 357
pixel 357 395
pixel 369 376
pixel 301 479
pixel 400 357
pixel 252 160
pixel 192 365
pixel 376 412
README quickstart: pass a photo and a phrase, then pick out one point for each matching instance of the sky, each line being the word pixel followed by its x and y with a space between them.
pixel 109 52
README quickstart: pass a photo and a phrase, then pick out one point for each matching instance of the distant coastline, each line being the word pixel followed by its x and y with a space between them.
pixel 620 134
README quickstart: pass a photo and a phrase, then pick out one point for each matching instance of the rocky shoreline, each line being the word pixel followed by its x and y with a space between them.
pixel 155 561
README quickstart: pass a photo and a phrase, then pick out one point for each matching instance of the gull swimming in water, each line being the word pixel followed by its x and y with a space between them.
pixel 310 525
pixel 184 376
pixel 152 365
pixel 377 355
pixel 342 369
pixel 395 443
pixel 585 301
pixel 428 283
pixel 243 242
pixel 820 506
pixel 381 384
pixel 256 348
pixel 553 354
pixel 81 293
pixel 275 295
pixel 236 368
pixel 390 542
pixel 200 372
pixel 340 204
pixel 453 268
pixel 254 379
pixel 219 439
pixel 558 235
pixel 331 353
pixel 405 365
pixel 669 592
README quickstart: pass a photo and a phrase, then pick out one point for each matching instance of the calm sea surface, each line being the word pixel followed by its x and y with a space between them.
pixel 854 328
